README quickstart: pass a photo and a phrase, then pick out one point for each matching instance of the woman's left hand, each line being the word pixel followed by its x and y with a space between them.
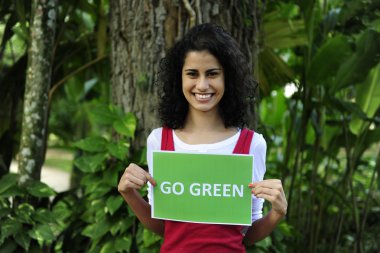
pixel 271 190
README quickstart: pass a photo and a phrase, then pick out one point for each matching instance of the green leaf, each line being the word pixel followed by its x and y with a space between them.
pixel 89 179
pixel 121 225
pixel 348 107
pixel 22 238
pixel 103 114
pixel 273 109
pixel 371 137
pixel 273 70
pixel 150 238
pixel 74 91
pixel 118 150
pixel 368 99
pixel 356 67
pixel 131 214
pixel 123 243
pixel 89 85
pixel 61 210
pixel 25 212
pixel 328 134
pixel 40 190
pixel 114 203
pixel 328 59
pixel 7 181
pixel 97 230
pixel 126 125
pixel 90 163
pixel 284 33
pixel 23 28
pixel 139 157
pixel 108 247
pixel 265 243
pixel 375 24
pixel 42 233
pixel 285 228
pixel 43 216
pixel 13 191
pixel 98 190
pixel 9 227
pixel 310 134
pixel 9 246
pixel 4 211
pixel 111 177
pixel 333 209
pixel 92 144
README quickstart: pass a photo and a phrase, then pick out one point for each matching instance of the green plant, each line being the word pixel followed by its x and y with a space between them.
pixel 30 221
pixel 106 222
pixel 323 140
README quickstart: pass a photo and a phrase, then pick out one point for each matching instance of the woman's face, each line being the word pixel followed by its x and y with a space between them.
pixel 202 81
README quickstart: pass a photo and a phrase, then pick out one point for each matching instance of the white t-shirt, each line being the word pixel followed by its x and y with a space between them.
pixel 258 149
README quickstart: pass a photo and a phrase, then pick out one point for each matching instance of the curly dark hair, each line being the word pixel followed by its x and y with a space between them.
pixel 239 83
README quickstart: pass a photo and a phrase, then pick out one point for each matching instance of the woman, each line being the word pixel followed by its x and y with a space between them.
pixel 205 89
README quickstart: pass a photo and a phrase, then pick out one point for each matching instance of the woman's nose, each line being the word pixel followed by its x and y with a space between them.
pixel 203 83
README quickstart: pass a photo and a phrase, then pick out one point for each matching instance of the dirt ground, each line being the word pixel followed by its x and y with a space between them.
pixel 57 179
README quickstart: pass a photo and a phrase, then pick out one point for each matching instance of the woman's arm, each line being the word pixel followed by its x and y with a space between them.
pixel 272 191
pixel 133 179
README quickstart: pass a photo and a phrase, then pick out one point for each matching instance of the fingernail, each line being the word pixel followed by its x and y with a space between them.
pixel 253 191
pixel 250 185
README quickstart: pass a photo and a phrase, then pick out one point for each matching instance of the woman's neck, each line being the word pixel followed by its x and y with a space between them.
pixel 203 122
pixel 203 128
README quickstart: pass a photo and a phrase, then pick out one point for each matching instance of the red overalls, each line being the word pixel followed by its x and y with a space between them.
pixel 184 237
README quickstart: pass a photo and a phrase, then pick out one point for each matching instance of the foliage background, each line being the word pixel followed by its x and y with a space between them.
pixel 319 74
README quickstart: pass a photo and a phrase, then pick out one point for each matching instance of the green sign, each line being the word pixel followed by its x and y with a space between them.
pixel 202 188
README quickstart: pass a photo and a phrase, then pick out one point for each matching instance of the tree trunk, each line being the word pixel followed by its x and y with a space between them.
pixel 142 30
pixel 32 145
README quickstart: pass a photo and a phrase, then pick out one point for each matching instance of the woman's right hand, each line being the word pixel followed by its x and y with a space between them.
pixel 134 177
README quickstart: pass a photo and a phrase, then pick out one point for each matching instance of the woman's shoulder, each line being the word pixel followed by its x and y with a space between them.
pixel 258 142
pixel 156 131
pixel 154 137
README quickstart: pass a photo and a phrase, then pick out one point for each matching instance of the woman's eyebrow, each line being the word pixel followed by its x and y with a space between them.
pixel 196 70
pixel 209 70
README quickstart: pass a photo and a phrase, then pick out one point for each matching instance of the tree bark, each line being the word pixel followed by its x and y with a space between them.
pixel 141 31
pixel 32 145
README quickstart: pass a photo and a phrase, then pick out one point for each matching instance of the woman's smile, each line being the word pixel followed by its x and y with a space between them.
pixel 203 97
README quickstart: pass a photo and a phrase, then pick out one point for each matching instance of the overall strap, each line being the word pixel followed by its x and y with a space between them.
pixel 167 142
pixel 242 146
pixel 244 142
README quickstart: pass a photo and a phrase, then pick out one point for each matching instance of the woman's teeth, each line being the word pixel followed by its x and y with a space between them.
pixel 203 96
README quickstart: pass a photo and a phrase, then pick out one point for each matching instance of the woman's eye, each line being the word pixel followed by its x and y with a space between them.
pixel 192 74
pixel 212 73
